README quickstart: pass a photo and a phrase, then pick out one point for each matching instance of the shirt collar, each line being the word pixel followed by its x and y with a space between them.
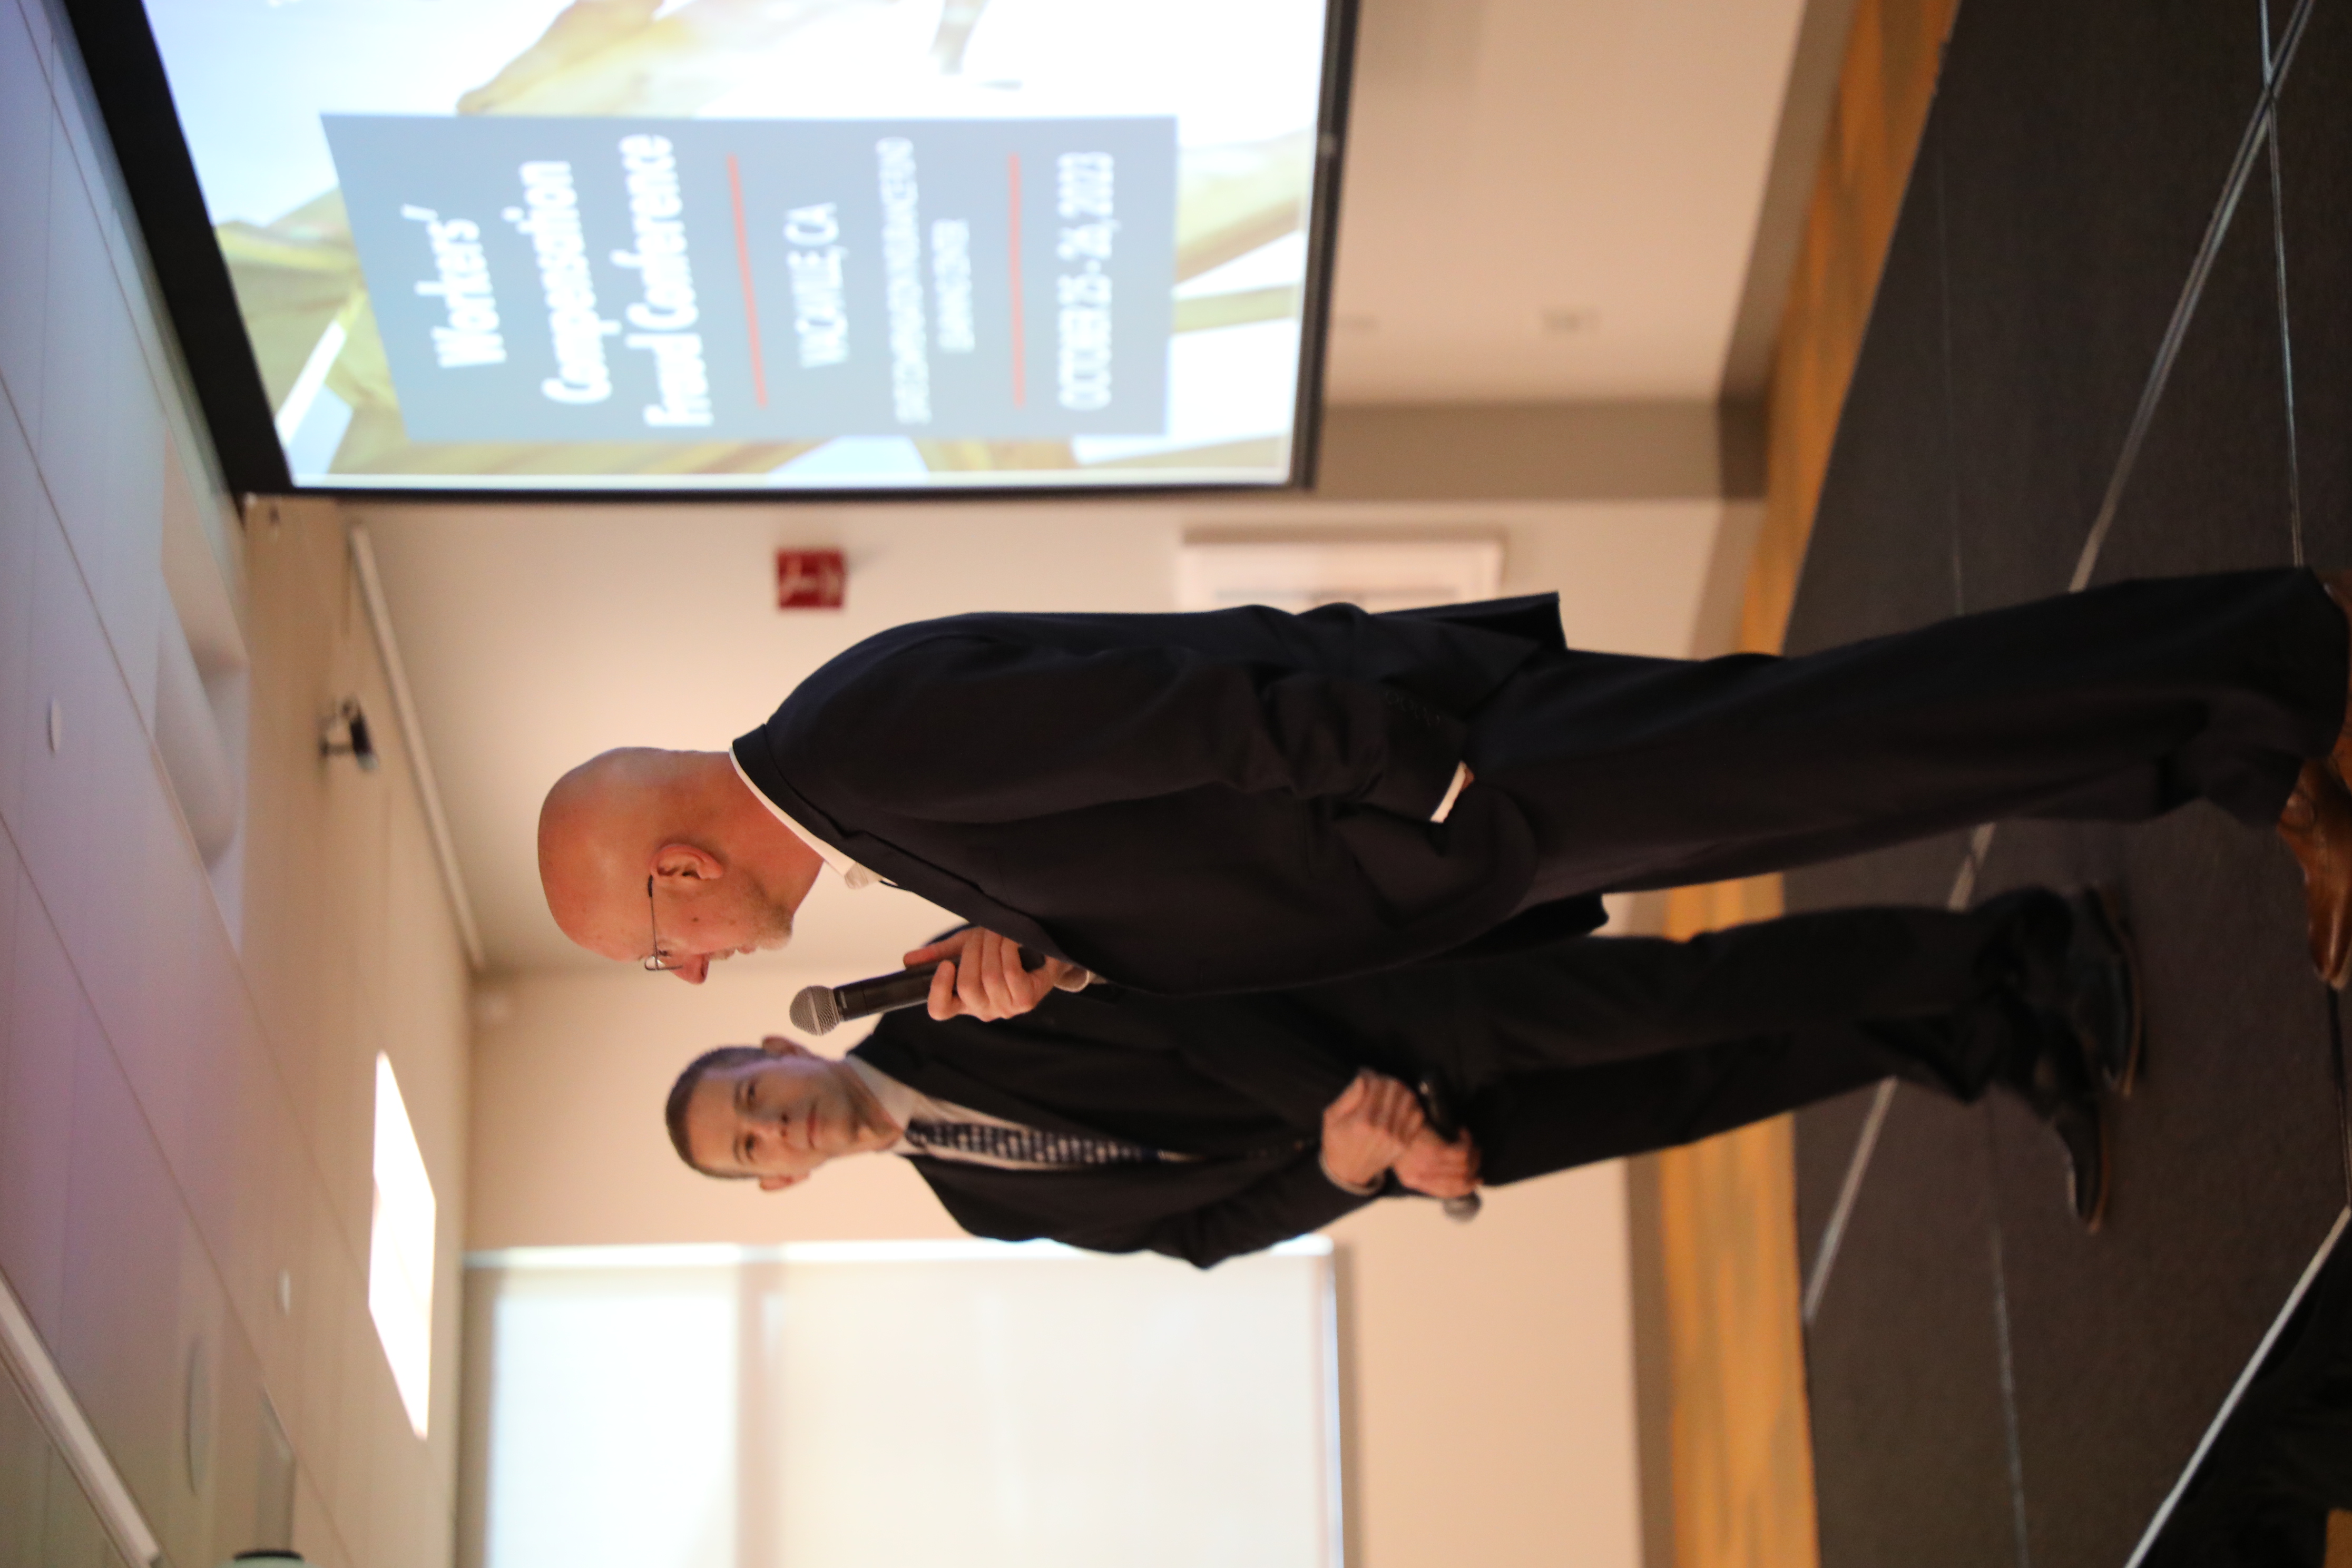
pixel 901 1101
pixel 851 873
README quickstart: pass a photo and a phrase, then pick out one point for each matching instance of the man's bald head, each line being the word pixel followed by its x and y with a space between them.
pixel 598 829
pixel 725 874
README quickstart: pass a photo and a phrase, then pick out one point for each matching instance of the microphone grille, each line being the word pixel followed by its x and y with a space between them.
pixel 815 1011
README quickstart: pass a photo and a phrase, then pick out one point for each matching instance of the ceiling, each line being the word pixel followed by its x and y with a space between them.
pixel 1553 199
pixel 1541 201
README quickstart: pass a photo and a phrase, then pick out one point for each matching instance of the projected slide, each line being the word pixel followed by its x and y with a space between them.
pixel 760 245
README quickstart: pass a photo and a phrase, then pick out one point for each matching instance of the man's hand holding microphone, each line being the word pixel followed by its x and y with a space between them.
pixel 982 975
pixel 1377 1125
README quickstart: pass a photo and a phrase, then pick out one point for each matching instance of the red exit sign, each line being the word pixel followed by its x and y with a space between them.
pixel 810 579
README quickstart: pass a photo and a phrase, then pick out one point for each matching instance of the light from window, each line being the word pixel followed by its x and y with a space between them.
pixel 965 1402
pixel 400 1249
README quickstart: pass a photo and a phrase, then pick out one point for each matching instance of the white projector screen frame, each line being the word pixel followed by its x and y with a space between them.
pixel 297 358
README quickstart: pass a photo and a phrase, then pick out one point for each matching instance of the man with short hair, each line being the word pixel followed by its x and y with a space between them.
pixel 1205 1127
pixel 1246 799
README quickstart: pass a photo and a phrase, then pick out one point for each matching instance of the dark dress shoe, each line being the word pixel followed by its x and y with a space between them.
pixel 2081 1130
pixel 2339 759
pixel 2052 1073
pixel 2317 827
pixel 2100 987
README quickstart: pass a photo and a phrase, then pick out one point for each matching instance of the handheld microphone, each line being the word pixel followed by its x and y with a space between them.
pixel 821 1009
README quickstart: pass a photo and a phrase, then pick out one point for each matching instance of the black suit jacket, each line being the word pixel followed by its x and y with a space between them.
pixel 1551 1057
pixel 1192 804
pixel 1237 1082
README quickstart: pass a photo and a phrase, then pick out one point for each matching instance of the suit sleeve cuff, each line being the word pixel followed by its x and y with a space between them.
pixel 1371 1189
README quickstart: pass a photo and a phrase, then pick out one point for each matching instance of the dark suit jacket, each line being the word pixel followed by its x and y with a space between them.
pixel 1550 1057
pixel 1191 803
pixel 1230 1081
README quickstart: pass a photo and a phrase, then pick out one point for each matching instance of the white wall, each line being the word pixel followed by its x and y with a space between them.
pixel 569 1073
pixel 185 1053
pixel 1495 1420
pixel 1548 201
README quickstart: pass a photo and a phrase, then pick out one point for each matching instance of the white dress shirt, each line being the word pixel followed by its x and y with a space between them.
pixel 1453 792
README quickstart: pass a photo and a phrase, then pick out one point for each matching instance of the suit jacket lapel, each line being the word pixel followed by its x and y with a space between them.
pixel 886 860
pixel 943 1082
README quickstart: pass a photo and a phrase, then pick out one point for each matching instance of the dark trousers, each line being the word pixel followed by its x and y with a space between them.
pixel 1612 1045
pixel 2117 705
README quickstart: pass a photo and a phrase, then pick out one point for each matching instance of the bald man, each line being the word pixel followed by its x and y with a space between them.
pixel 1243 799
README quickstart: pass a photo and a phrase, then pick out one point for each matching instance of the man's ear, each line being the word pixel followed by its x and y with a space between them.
pixel 684 862
pixel 778 1184
pixel 781 1046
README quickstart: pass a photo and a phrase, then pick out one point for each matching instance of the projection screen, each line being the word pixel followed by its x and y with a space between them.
pixel 738 245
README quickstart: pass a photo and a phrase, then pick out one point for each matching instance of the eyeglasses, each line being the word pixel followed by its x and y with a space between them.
pixel 657 962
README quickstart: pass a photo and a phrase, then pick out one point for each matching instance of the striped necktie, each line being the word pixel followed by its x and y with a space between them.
pixel 1026 1145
